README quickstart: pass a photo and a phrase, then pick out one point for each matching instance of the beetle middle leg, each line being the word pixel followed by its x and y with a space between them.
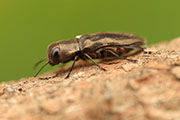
pixel 94 62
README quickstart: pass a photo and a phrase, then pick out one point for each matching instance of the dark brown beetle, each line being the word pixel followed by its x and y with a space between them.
pixel 93 46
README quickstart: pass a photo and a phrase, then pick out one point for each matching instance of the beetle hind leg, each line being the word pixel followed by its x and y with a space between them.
pixel 121 57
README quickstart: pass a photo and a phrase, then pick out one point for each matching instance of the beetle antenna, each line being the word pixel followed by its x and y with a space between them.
pixel 41 68
pixel 39 62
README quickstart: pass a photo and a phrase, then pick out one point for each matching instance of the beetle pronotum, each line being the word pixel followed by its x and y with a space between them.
pixel 93 46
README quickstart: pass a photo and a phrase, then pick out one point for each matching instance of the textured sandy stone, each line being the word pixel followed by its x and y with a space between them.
pixel 146 90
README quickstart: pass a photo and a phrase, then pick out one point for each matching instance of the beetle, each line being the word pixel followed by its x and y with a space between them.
pixel 93 46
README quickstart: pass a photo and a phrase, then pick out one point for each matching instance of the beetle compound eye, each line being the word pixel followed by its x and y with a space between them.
pixel 56 55
pixel 56 52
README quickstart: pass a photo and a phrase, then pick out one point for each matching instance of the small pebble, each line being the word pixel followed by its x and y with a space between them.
pixel 10 90
pixel 176 71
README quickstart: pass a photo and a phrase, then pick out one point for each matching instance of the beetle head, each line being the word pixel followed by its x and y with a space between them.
pixel 60 52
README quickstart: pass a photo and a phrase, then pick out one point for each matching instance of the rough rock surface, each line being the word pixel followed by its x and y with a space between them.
pixel 146 90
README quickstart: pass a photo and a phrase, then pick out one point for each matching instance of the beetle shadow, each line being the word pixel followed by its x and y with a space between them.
pixel 87 64
pixel 64 69
pixel 79 64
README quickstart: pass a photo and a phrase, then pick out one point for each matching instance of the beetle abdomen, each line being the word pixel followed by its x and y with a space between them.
pixel 105 52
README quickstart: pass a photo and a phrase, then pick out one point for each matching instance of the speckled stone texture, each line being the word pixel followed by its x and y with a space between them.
pixel 146 90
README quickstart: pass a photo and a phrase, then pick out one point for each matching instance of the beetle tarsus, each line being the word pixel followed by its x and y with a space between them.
pixel 131 60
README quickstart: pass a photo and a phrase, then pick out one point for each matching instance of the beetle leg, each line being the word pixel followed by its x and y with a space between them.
pixel 75 59
pixel 94 62
pixel 121 57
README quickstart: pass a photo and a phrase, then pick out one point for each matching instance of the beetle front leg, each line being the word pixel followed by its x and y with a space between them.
pixel 75 59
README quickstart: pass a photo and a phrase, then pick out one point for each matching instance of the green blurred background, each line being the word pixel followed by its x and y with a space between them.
pixel 28 26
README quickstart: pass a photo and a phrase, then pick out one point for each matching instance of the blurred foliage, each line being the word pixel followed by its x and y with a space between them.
pixel 28 26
